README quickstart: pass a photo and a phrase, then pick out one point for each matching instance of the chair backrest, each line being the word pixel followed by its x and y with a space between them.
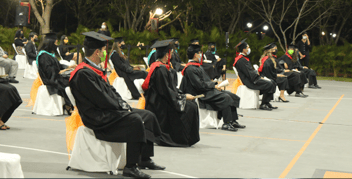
pixel 234 69
pixel 83 50
pixel 256 67
pixel 146 61
pixel 70 95
pixel 58 51
pixel 138 83
pixel 14 47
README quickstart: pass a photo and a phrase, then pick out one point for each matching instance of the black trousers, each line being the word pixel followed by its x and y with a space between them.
pixel 267 97
pixel 229 114
pixel 137 151
pixel 305 61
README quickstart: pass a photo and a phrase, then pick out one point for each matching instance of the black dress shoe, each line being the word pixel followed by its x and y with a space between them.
pixel 150 165
pixel 134 172
pixel 301 95
pixel 312 86
pixel 12 80
pixel 228 127
pixel 235 124
pixel 264 107
pixel 317 87
pixel 272 107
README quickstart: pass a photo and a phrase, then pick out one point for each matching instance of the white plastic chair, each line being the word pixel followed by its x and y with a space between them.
pixel 63 61
pixel 249 97
pixel 145 59
pixel 10 166
pixel 20 59
pixel 208 118
pixel 31 71
pixel 46 104
pixel 121 87
pixel 138 83
pixel 256 67
pixel 179 79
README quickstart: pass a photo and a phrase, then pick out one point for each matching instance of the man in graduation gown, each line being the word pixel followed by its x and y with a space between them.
pixel 177 117
pixel 10 100
pixel 175 58
pixel 219 64
pixel 196 82
pixel 111 118
pixel 292 63
pixel 124 69
pixel 251 78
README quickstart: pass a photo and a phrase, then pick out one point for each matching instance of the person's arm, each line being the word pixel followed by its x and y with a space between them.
pixel 197 80
pixel 246 70
pixel 29 51
pixel 18 42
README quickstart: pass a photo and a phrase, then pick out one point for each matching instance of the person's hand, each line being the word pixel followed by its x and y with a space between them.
pixel 305 67
pixel 307 36
pixel 5 56
pixel 189 97
pixel 72 66
pixel 280 75
pixel 219 59
pixel 67 53
pixel 136 68
pixel 218 88
pixel 287 70
pixel 183 64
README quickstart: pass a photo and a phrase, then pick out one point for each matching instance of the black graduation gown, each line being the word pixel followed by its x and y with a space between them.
pixel 176 62
pixel 196 82
pixel 270 72
pixel 294 79
pixel 217 65
pixel 251 79
pixel 177 117
pixel 49 68
pixel 63 52
pixel 125 70
pixel 296 65
pixel 104 111
pixel 9 101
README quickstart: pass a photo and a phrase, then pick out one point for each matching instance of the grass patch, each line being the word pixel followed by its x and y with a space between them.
pixel 334 78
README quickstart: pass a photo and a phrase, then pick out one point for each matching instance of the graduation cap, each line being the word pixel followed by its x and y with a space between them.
pixel 51 36
pixel 95 40
pixel 194 40
pixel 119 39
pixel 270 46
pixel 211 43
pixel 162 47
pixel 192 49
pixel 242 45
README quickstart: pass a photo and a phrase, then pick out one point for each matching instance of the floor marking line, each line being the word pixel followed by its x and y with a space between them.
pixel 38 150
pixel 173 173
pixel 300 152
pixel 257 137
pixel 280 119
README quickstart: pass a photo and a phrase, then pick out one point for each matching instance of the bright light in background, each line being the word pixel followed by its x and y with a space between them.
pixel 249 25
pixel 334 35
pixel 265 27
pixel 158 11
pixel 323 33
pixel 330 33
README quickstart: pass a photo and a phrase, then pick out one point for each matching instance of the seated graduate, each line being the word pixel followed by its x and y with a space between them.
pixel 10 100
pixel 65 51
pixel 292 63
pixel 20 42
pixel 295 80
pixel 177 117
pixel 110 117
pixel 152 55
pixel 206 65
pixel 196 82
pixel 176 62
pixel 124 69
pixel 30 48
pixel 268 67
pixel 251 78
pixel 219 64
pixel 51 71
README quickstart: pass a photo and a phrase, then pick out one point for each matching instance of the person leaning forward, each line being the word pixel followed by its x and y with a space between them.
pixel 111 118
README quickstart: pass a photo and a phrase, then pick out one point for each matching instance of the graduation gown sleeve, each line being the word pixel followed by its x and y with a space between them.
pixel 246 70
pixel 196 78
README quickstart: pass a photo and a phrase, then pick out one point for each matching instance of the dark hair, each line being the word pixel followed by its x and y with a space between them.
pixel 18 33
pixel 48 45
pixel 31 35
pixel 62 39
pixel 89 51
pixel 116 47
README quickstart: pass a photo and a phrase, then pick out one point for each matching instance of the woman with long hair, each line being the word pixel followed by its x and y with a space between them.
pixel 65 51
pixel 268 68
pixel 51 71
pixel 124 69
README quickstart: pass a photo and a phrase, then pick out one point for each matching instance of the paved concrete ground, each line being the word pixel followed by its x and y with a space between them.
pixel 288 142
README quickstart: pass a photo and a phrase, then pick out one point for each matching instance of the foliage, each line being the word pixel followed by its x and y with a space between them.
pixel 7 36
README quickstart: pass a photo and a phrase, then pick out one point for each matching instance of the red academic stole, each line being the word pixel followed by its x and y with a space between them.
pixel 82 65
pixel 154 65
pixel 262 64
pixel 239 57
pixel 188 64
pixel 289 56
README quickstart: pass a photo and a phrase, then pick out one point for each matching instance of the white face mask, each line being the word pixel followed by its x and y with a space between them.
pixel 249 51
pixel 304 37
pixel 103 26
